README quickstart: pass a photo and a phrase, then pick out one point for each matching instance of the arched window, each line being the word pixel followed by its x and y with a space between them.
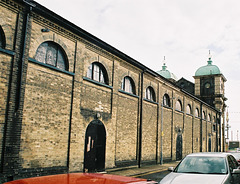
pixel 52 54
pixel 96 71
pixel 2 38
pixel 128 85
pixel 166 100
pixel 188 109
pixel 203 115
pixel 178 105
pixel 196 112
pixel 150 94
pixel 209 117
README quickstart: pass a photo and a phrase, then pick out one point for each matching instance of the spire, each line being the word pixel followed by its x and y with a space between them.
pixel 209 58
pixel 164 67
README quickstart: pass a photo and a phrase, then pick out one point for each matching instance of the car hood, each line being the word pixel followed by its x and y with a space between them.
pixel 176 178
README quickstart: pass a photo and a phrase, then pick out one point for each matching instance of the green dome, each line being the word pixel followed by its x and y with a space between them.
pixel 209 69
pixel 166 74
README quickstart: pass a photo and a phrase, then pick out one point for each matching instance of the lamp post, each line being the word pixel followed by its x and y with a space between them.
pixel 227 126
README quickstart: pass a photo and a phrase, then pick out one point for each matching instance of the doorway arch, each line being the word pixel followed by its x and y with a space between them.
pixel 95 144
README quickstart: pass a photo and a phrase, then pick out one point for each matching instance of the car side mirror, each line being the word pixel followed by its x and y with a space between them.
pixel 171 169
pixel 236 171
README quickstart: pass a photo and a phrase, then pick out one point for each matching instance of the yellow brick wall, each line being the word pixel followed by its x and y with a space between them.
pixel 45 123
pixel 149 131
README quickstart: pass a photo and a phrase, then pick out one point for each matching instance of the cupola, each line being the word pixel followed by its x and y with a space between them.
pixel 166 73
pixel 208 69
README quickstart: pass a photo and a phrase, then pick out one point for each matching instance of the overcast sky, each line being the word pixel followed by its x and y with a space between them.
pixel 182 30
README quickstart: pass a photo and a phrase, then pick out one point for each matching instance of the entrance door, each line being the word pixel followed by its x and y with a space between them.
pixel 179 147
pixel 209 144
pixel 95 144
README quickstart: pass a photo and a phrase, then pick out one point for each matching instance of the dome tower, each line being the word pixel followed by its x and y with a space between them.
pixel 209 84
pixel 166 73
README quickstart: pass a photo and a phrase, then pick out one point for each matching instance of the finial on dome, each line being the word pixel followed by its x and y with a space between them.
pixel 209 55
pixel 164 64
pixel 209 58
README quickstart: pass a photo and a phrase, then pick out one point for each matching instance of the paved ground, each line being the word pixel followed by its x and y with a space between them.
pixel 135 171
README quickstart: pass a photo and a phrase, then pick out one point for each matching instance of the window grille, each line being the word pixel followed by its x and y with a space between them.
pixel 52 54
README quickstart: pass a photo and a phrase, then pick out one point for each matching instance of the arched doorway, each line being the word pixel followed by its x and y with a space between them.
pixel 95 144
pixel 179 147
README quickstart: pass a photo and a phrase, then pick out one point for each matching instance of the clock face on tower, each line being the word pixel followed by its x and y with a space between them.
pixel 207 85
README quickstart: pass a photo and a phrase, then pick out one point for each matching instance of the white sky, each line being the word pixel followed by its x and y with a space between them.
pixel 182 30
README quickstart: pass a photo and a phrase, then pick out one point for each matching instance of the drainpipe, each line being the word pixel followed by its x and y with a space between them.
pixel 140 123
pixel 161 154
pixel 157 125
pixel 192 128
pixel 201 127
pixel 71 109
pixel 220 133
pixel 29 7
pixel 172 128
pixel 216 132
pixel 21 61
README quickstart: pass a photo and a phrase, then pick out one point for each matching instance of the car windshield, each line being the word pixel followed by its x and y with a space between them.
pixel 202 165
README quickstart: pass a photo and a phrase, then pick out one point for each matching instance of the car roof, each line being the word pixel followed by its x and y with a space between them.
pixel 209 154
pixel 82 178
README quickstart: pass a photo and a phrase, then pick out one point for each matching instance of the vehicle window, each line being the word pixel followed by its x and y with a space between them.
pixel 231 163
pixel 204 165
pixel 235 163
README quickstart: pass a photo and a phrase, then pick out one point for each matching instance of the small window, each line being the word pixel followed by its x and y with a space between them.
pixel 128 85
pixel 96 71
pixel 150 94
pixel 166 100
pixel 2 38
pixel 196 112
pixel 214 128
pixel 178 105
pixel 188 109
pixel 214 119
pixel 52 54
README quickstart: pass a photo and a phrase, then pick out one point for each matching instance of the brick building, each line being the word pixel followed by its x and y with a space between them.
pixel 69 102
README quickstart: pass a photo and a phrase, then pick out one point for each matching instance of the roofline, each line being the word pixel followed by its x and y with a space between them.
pixel 199 76
pixel 185 80
pixel 198 99
pixel 50 15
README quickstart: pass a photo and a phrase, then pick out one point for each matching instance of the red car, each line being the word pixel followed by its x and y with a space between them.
pixel 82 178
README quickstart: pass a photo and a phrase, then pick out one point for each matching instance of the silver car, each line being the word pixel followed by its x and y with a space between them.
pixel 205 168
